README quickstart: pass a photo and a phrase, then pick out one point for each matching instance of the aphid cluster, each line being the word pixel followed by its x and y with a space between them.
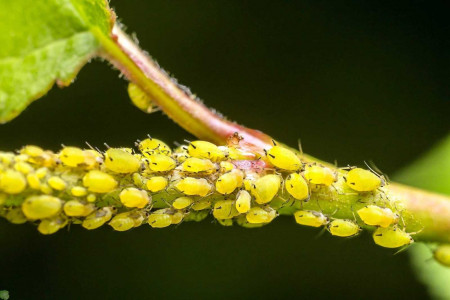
pixel 155 185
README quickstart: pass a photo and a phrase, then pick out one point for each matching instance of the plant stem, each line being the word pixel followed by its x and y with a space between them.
pixel 430 210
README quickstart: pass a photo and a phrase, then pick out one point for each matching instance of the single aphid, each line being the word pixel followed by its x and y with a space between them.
pixel 57 183
pixel 122 222
pixel 133 197
pixel 75 208
pixel 33 181
pixel 319 175
pixel 392 237
pixel 343 228
pixel 99 182
pixel 198 165
pixel 91 198
pixel 225 222
pixel 297 186
pixel 362 180
pixel 201 204
pixel 41 207
pixel 97 218
pixel 120 161
pixel 182 202
pixel 16 216
pixel 226 166
pixel 310 218
pixel 50 226
pixel 228 182
pixel 156 183
pixel 377 216
pixel 12 182
pixel 224 209
pixel 243 201
pixel 92 159
pixel 140 99
pixel 23 167
pixel 257 215
pixel 194 186
pixel 78 191
pixel 71 156
pixel 177 217
pixel 442 254
pixel 32 151
pixel 152 146
pixel 159 219
pixel 203 149
pixel 283 158
pixel 265 188
pixel 160 163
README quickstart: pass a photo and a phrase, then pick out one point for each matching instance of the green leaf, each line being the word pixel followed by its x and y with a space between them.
pixel 43 42
pixel 431 172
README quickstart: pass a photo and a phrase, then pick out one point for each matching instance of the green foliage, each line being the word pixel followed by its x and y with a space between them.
pixel 47 42
pixel 431 172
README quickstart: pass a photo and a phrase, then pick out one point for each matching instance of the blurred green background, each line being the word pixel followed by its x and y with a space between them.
pixel 353 80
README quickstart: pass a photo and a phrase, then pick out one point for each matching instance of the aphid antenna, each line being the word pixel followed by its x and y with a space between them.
pixel 321 232
pixel 300 148
pixel 106 145
pixel 372 167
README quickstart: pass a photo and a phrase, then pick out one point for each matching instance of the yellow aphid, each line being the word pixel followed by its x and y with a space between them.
pixel 32 151
pixel 377 216
pixel 235 153
pixel 138 217
pixel 46 189
pixel 283 158
pixel 362 180
pixel 257 215
pixel 343 228
pixel 16 216
pixel 132 197
pixel 161 163
pixel 12 182
pixel 320 175
pixel 391 237
pixel 194 186
pixel 99 182
pixel 97 218
pixel 41 207
pixel 57 183
pixel 225 222
pixel 75 208
pixel 226 166
pixel 78 191
pixel 41 172
pixel 92 159
pixel 122 222
pixel 33 181
pixel 310 218
pixel 50 226
pixel 442 254
pixel 23 167
pixel 177 217
pixel 157 183
pixel 201 204
pixel 181 154
pixel 152 146
pixel 228 182
pixel 265 188
pixel 224 209
pixel 203 149
pixel 121 161
pixel 159 219
pixel 297 186
pixel 71 156
pixel 6 158
pixel 91 198
pixel 243 201
pixel 198 165
pixel 140 99
pixel 182 202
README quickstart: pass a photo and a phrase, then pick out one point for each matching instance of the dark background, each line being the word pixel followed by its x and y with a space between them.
pixel 355 80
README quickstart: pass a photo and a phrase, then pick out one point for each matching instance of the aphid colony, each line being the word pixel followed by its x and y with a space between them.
pixel 161 187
